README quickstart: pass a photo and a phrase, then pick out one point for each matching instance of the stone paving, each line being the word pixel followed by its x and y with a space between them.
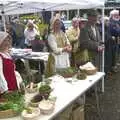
pixel 109 101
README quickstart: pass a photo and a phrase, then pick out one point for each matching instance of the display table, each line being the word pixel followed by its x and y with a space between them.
pixel 67 93
pixel 29 54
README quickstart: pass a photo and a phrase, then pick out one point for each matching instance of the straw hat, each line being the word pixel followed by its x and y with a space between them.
pixel 30 23
pixel 53 21
pixel 3 35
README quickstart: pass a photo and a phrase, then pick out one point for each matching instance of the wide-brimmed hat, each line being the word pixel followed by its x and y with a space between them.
pixel 3 35
pixel 54 19
pixel 92 12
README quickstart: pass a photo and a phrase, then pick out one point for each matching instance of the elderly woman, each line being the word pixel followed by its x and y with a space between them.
pixel 59 45
pixel 114 25
pixel 9 78
pixel 30 33
pixel 73 35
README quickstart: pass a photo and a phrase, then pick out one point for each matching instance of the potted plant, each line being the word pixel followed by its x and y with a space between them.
pixel 67 72
pixel 45 90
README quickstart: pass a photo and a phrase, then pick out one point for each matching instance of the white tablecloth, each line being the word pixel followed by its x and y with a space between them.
pixel 29 54
pixel 67 93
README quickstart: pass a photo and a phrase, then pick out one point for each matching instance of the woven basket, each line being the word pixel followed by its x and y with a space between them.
pixel 34 104
pixel 31 90
pixel 47 110
pixel 68 75
pixel 34 116
pixel 7 113
pixel 91 72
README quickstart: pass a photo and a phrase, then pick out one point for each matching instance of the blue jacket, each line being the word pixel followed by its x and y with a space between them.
pixel 114 29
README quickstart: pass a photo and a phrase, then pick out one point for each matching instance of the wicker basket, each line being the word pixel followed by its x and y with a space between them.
pixel 47 110
pixel 31 90
pixel 32 104
pixel 68 75
pixel 7 113
pixel 33 116
pixel 91 72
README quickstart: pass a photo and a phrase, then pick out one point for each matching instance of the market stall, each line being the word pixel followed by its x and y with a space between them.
pixel 72 89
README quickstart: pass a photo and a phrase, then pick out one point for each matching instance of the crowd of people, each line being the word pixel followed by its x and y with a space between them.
pixel 75 46
pixel 80 43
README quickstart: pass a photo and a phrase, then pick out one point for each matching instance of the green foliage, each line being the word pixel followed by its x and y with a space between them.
pixel 42 27
pixel 65 71
pixel 15 101
pixel 44 88
pixel 13 96
pixel 27 17
pixel 37 37
pixel 81 75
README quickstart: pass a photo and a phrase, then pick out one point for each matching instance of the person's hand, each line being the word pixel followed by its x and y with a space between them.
pixel 64 49
pixel 69 48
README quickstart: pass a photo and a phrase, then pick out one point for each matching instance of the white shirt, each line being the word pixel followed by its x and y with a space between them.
pixel 30 35
pixel 94 30
pixel 3 82
pixel 61 58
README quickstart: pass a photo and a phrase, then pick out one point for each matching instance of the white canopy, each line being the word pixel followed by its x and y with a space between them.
pixel 11 7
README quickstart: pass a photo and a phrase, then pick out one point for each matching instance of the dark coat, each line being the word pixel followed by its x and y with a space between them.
pixel 114 28
pixel 91 42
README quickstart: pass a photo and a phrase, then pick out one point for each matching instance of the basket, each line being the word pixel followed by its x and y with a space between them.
pixel 31 90
pixel 47 110
pixel 68 75
pixel 33 116
pixel 45 94
pixel 91 72
pixel 34 104
pixel 8 113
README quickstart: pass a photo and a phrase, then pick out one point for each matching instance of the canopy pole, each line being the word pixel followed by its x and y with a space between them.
pixel 78 13
pixel 4 24
pixel 103 40
pixel 67 14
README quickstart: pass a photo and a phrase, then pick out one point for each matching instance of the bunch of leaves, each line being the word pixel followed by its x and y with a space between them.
pixel 69 70
pixel 14 96
pixel 81 75
pixel 16 107
pixel 45 88
pixel 27 17
pixel 14 101
pixel 42 27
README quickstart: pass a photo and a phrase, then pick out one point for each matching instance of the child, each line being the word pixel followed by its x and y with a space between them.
pixel 8 76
